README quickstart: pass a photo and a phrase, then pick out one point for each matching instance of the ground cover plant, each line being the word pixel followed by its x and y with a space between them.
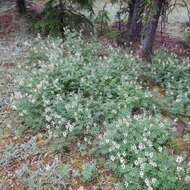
pixel 172 74
pixel 76 91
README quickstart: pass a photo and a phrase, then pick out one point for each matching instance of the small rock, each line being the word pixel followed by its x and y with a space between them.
pixel 81 188
pixel 187 179
pixel 181 128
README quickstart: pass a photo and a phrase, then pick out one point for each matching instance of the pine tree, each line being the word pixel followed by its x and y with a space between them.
pixel 147 49
pixel 21 6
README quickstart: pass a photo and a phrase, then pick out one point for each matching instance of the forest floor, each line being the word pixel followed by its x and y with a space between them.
pixel 16 150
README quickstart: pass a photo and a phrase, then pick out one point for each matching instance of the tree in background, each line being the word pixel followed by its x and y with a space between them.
pixel 157 6
pixel 143 18
pixel 143 15
pixel 131 6
pixel 136 8
pixel 61 14
pixel 21 6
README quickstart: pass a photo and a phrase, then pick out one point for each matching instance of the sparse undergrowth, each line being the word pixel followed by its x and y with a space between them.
pixel 77 92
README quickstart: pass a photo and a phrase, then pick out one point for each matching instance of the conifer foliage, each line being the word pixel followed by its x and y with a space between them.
pixel 58 15
pixel 21 6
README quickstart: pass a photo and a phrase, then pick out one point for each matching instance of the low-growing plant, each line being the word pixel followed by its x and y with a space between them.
pixel 172 74
pixel 77 91
pixel 88 172
pixel 74 88
pixel 137 152
pixel 55 175
pixel 12 152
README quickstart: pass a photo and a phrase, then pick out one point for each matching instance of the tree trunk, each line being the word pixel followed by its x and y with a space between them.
pixel 147 49
pixel 131 9
pixel 136 21
pixel 21 6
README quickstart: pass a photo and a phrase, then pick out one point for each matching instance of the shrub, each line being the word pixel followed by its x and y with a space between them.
pixel 78 91
pixel 56 16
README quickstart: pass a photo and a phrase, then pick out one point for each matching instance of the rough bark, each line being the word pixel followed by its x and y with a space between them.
pixel 131 9
pixel 136 21
pixel 21 6
pixel 147 49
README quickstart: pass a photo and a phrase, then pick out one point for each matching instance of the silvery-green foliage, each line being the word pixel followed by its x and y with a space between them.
pixel 12 152
pixel 76 87
pixel 88 172
pixel 137 152
pixel 78 91
pixel 172 73
pixel 56 173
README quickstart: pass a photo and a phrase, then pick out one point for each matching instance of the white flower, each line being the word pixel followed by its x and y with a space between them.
pixel 187 179
pixel 154 180
pixel 114 111
pixel 33 100
pixel 154 164
pixel 149 143
pixel 134 148
pixel 141 173
pixel 118 154
pixel 125 134
pixel 136 163
pixel 117 146
pixel 47 167
pixel 126 184
pixel 123 166
pixel 151 154
pixel 146 154
pixel 179 159
pixel 48 126
pixel 39 85
pixel 140 160
pixel 160 149
pixel 179 169
pixel 147 182
pixel 142 166
pixel 46 102
pixel 141 146
pixel 122 160
pixel 124 154
pixel 112 158
pixel 64 134
pixel 144 139
pixel 48 118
